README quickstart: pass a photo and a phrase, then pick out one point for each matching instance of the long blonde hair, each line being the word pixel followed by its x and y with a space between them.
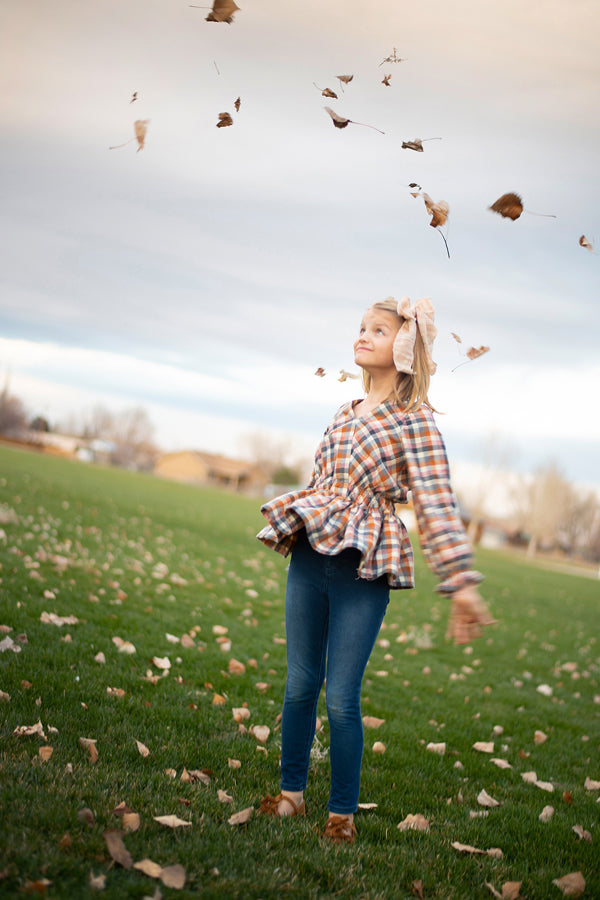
pixel 410 391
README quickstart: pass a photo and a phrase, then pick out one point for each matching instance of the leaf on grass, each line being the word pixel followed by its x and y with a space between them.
pixel 116 848
pixel 510 890
pixel 510 206
pixel 342 122
pixel 224 797
pixel 218 700
pixel 220 629
pixel 8 644
pixel 372 722
pixel 261 733
pixel 234 763
pixel 97 882
pixel 591 785
pixel 416 822
pixel 26 730
pixel 240 818
pixel 484 799
pixel 546 814
pixel 86 816
pixel 201 775
pixel 379 747
pixel 240 713
pixel 142 749
pixel 571 885
pixel 173 877
pixel 367 806
pixel 123 646
pixel 417 889
pixel 501 763
pixel 529 777
pixel 494 852
pixel 171 821
pixel 131 821
pixel 89 744
pixel 224 120
pixel 52 619
pixel 582 834
pixel 484 746
pixel 161 662
pixel 439 747
pixel 148 867
pixel 45 753
pixel 100 658
pixel 222 11
pixel 539 737
pixel 236 667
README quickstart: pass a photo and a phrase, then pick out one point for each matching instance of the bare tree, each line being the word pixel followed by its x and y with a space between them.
pixel 13 416
pixel 497 455
pixel 130 432
pixel 544 505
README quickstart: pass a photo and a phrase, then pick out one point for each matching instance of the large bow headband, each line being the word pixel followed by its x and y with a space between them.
pixel 418 317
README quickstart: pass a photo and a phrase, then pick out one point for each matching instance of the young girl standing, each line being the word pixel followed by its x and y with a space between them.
pixel 349 548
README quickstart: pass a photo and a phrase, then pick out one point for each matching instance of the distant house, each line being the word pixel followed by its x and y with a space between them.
pixel 200 468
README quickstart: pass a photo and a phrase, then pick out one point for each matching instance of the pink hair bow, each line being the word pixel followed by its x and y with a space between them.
pixel 420 316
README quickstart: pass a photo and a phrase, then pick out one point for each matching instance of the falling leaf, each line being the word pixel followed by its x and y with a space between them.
pixel 494 852
pixel 386 80
pixel 116 848
pixel 140 127
pixel 416 822
pixel 571 885
pixel 320 372
pixel 508 205
pixel 148 867
pixel 241 817
pixel 372 722
pixel 546 814
pixel 484 746
pixel 413 145
pixel 345 375
pixel 392 58
pixel 143 750
pixel 583 242
pixel 341 122
pixel 222 11
pixel 171 821
pixel 344 79
pixel 224 120
pixel 379 747
pixel 581 833
pixel 438 211
pixel 326 92
pixel 475 352
pixel 237 103
pixel 484 799
pixel 456 337
pixel 134 97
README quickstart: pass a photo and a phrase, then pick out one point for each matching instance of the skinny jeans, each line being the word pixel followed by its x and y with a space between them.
pixel 332 620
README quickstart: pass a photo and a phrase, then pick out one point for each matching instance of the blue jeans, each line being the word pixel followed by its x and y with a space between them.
pixel 332 619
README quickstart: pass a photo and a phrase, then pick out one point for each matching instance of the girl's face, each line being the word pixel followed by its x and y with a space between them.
pixel 373 348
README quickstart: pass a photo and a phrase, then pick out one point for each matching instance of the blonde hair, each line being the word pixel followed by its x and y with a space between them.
pixel 410 391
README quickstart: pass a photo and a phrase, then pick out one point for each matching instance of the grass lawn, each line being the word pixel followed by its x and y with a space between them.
pixel 177 573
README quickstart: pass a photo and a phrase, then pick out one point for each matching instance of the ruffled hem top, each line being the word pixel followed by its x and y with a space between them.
pixel 364 467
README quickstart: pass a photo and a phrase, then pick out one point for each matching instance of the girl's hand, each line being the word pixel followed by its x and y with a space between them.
pixel 468 614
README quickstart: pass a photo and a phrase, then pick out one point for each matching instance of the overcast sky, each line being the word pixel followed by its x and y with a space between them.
pixel 207 276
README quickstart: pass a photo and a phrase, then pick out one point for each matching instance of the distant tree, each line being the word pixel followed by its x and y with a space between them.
pixel 286 475
pixel 544 503
pixel 39 423
pixel 13 415
pixel 496 458
pixel 130 431
pixel 268 453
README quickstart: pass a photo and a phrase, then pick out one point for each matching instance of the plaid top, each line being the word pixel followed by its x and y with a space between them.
pixel 363 467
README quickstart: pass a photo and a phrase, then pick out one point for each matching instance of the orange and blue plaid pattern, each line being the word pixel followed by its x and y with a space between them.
pixel 363 468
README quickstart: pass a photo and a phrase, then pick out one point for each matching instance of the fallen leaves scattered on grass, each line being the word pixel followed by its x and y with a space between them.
pixel 372 722
pixel 571 885
pixel 89 744
pixel 546 814
pixel 484 746
pixel 484 799
pixel 582 833
pixel 123 646
pixel 591 785
pixel 27 730
pixel 510 890
pixel 45 753
pixel 439 747
pixel 261 733
pixel 414 822
pixel 52 619
pixel 142 749
pixel 379 747
pixel 171 821
pixel 501 763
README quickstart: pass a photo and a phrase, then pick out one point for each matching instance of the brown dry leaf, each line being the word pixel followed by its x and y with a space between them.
pixel 475 352
pixel 372 722
pixel 171 821
pixel 38 886
pixel 591 785
pixel 142 749
pixel 320 372
pixel 501 763
pixel 416 822
pixel 494 852
pixel 202 775
pixel 456 337
pixel 161 662
pixel 222 11
pixel 187 641
pixel 218 700
pixel 539 737
pixel 141 127
pixel 417 888
pixel 237 103
pixel 236 667
pixel 582 834
pixel 45 753
pixel 123 646
pixel 131 821
pixel 220 629
pixel 386 80
pixel 86 816
pixel 97 882
pixel 89 744
pixel 240 713
pixel 326 92
pixel 484 746
pixel 345 375
pixel 583 242
pixel 417 145
pixel 367 806
pixel 173 877
pixel 224 120
pixel 261 733
pixel 439 747
pixel 241 817
pixel 116 848
pixel 438 211
pixel 26 730
pixel 510 206
pixel 571 885
pixel 148 867
pixel 484 799
pixel 546 814
pixel 224 797
pixel 344 79
pixel 234 763
pixel 510 890
pixel 341 122
pixel 379 747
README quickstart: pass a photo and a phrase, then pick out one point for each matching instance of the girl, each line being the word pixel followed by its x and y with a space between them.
pixel 349 548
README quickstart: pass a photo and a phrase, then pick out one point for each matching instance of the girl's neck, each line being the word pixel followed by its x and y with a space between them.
pixel 381 388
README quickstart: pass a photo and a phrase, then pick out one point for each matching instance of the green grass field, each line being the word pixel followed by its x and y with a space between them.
pixel 149 562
